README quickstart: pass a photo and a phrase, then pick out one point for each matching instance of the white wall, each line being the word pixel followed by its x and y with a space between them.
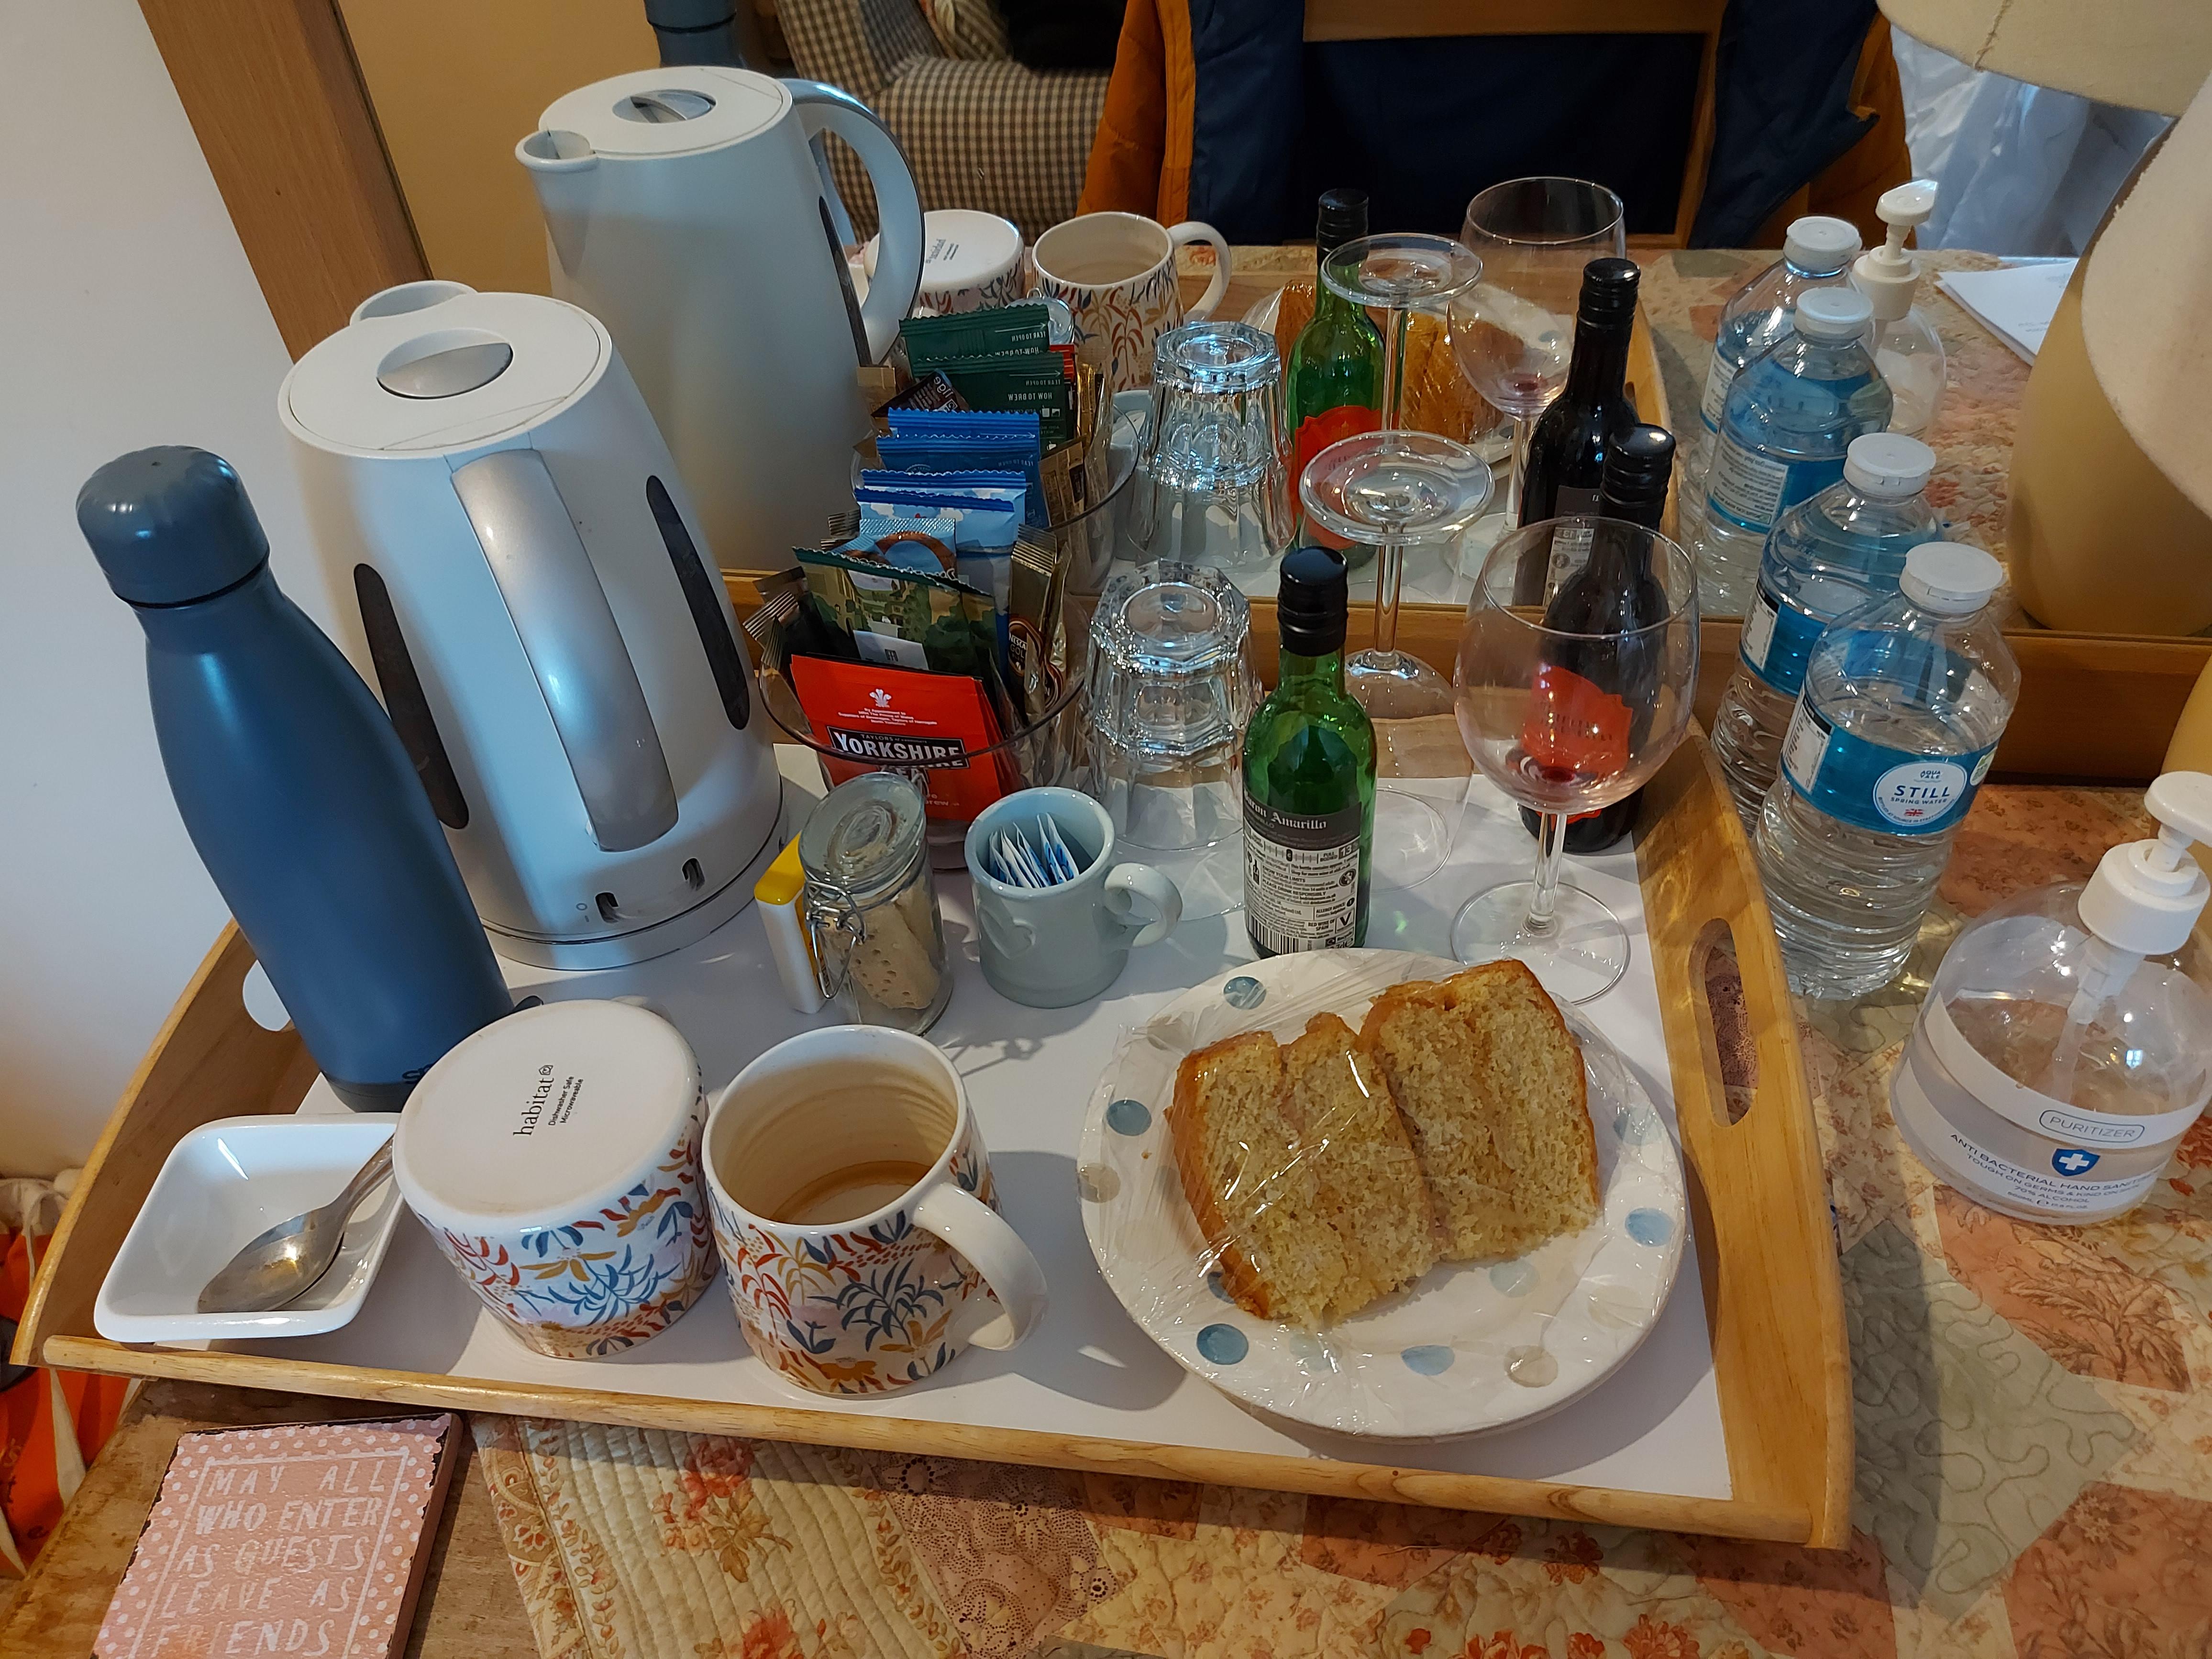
pixel 131 318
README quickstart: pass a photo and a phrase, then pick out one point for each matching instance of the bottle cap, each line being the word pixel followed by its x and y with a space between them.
pixel 1636 469
pixel 1820 244
pixel 1343 218
pixel 1311 606
pixel 1609 291
pixel 1889 465
pixel 2145 895
pixel 1950 578
pixel 1833 314
pixel 170 525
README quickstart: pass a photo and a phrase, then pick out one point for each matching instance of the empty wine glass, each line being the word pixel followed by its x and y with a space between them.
pixel 1512 332
pixel 1392 489
pixel 1566 721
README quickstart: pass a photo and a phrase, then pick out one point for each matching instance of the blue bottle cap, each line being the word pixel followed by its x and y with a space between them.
pixel 170 525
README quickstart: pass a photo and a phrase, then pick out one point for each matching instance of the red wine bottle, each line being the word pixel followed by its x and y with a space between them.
pixel 1567 450
pixel 1612 683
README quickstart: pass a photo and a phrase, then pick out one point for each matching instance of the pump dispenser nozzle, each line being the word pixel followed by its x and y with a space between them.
pixel 1888 274
pixel 2142 901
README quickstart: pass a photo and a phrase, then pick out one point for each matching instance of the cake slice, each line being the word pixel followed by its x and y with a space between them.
pixel 1299 1174
pixel 1491 1083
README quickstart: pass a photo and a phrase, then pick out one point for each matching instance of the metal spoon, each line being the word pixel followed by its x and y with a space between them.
pixel 282 1264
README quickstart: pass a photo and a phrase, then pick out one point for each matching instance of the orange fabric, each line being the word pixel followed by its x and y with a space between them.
pixel 1140 158
pixel 32 1479
pixel 1849 187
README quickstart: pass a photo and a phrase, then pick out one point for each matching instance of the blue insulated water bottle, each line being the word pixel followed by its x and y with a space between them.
pixel 291 782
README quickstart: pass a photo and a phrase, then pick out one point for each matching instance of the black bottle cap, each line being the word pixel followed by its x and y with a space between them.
pixel 1638 465
pixel 1312 603
pixel 1343 218
pixel 1609 291
pixel 170 525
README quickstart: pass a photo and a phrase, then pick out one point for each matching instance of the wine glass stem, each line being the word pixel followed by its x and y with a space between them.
pixel 1551 846
pixel 1389 577
pixel 1520 429
pixel 1394 366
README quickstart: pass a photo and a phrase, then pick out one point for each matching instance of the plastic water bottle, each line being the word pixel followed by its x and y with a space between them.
pixel 1816 252
pixel 1824 557
pixel 1903 705
pixel 1791 415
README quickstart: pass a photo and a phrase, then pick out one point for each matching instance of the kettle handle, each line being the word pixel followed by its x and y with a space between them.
pixel 892 290
pixel 568 632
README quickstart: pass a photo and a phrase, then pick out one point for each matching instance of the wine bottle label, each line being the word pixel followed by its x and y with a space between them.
pixel 1752 489
pixel 1302 878
pixel 1315 433
pixel 1718 378
pixel 1576 728
pixel 1570 544
pixel 1778 638
pixel 1872 786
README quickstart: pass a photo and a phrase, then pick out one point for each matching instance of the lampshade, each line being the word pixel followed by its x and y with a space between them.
pixel 2145 54
pixel 2147 306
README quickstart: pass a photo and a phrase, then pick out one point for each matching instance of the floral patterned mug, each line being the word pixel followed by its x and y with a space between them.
pixel 852 1204
pixel 554 1156
pixel 1117 273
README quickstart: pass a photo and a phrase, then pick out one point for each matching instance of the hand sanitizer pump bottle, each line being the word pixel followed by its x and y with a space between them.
pixel 1905 347
pixel 2061 1052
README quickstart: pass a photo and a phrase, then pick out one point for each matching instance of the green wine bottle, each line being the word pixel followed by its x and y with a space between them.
pixel 1309 777
pixel 1336 364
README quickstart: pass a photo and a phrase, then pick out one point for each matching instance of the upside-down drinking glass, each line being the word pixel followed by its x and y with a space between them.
pixel 1514 330
pixel 1566 722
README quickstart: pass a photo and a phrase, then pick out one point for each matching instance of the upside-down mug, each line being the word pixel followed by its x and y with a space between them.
pixel 853 1207
pixel 554 1156
pixel 1116 272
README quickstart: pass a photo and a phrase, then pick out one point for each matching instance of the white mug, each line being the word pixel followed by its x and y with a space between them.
pixel 853 1205
pixel 554 1156
pixel 1116 272
pixel 970 261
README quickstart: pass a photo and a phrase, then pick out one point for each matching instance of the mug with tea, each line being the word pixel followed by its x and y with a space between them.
pixel 1116 272
pixel 1053 945
pixel 853 1207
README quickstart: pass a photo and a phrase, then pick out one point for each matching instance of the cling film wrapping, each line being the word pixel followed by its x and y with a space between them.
pixel 1467 1344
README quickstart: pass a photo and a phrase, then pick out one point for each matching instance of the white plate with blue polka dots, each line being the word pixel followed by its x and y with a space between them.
pixel 1469 1347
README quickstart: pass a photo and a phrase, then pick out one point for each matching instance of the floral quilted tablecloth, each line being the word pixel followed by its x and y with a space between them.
pixel 2033 1417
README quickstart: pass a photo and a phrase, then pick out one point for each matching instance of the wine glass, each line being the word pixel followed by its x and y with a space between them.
pixel 1566 713
pixel 1390 489
pixel 1513 332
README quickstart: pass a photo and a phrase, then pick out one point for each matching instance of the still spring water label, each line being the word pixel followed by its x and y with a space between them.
pixel 1874 787
pixel 1302 878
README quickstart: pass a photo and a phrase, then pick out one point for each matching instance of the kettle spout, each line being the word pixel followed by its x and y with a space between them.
pixel 562 166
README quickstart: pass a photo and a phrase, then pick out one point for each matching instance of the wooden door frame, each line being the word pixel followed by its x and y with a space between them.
pixel 276 102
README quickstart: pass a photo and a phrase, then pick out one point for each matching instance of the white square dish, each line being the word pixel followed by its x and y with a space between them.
pixel 224 1184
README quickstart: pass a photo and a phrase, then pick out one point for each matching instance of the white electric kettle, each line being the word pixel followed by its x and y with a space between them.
pixel 685 209
pixel 546 625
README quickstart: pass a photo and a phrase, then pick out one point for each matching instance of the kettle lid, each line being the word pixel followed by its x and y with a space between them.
pixel 672 111
pixel 430 367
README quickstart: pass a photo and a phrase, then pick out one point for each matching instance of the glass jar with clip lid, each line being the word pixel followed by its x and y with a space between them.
pixel 871 904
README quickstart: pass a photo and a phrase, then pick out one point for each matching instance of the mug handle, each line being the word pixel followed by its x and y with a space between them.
pixel 1196 230
pixel 995 1250
pixel 1155 888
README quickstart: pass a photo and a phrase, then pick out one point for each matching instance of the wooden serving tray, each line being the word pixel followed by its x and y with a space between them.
pixel 1765 1248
